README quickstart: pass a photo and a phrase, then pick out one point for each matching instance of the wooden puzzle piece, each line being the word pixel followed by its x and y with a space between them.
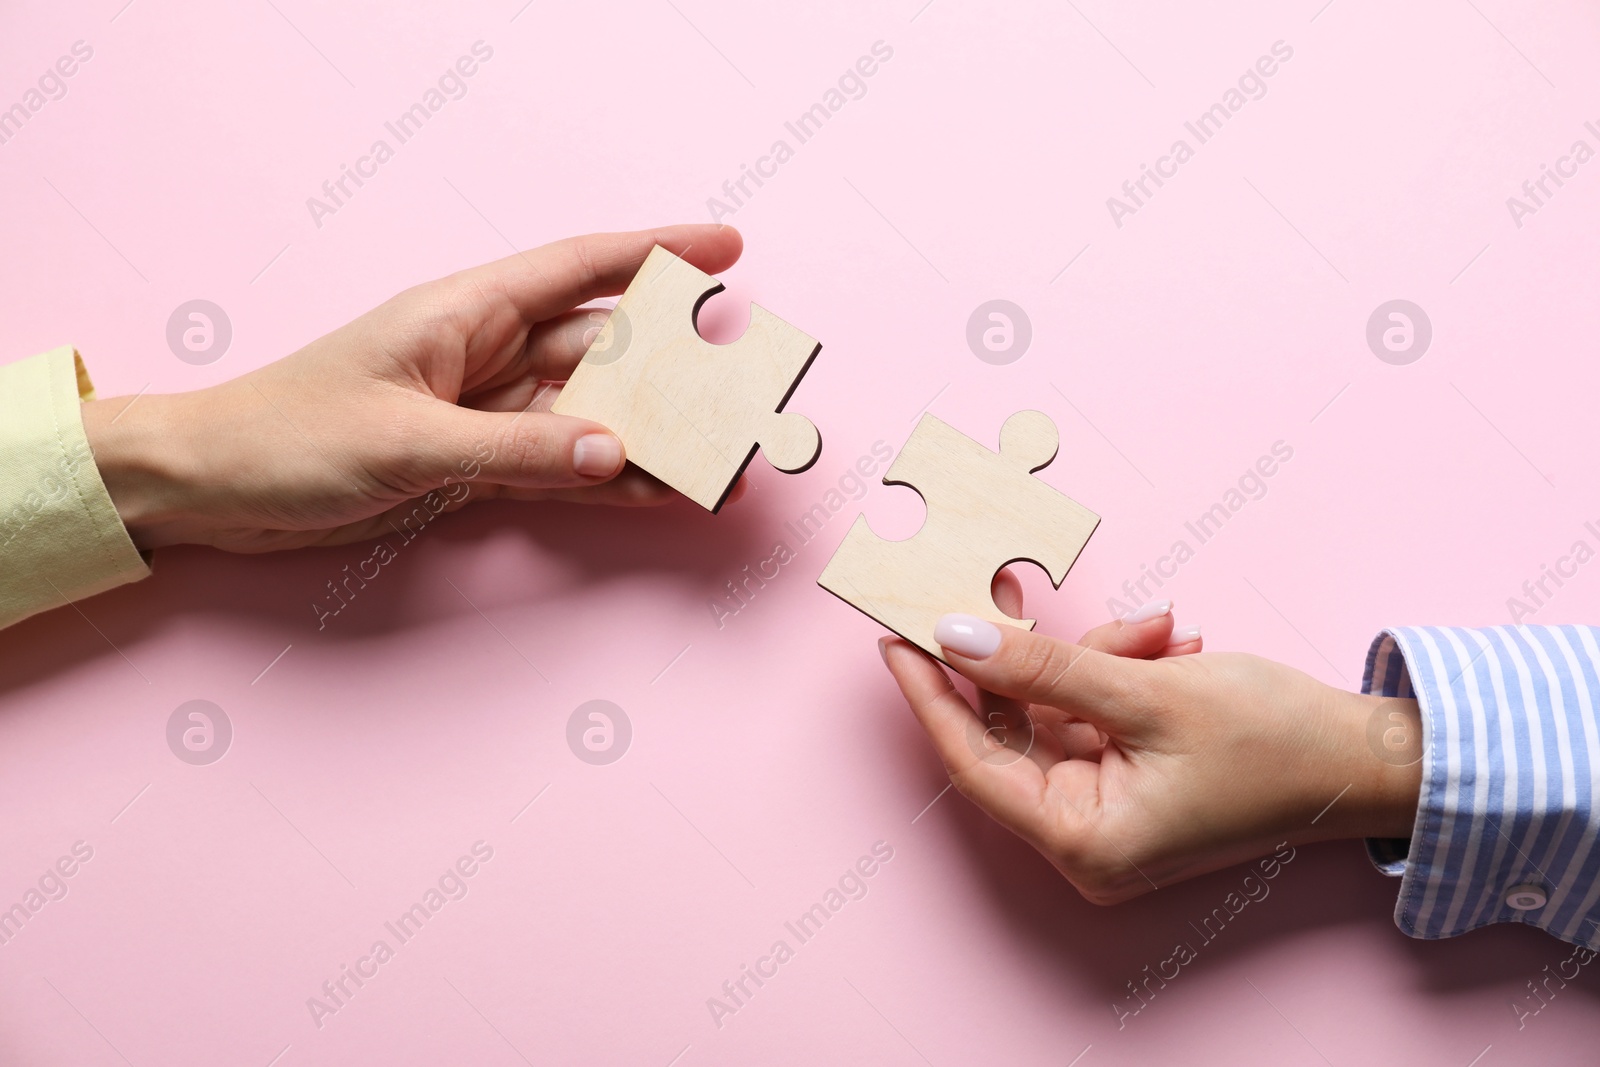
pixel 690 412
pixel 985 510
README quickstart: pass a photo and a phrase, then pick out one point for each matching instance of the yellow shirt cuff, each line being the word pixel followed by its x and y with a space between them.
pixel 60 536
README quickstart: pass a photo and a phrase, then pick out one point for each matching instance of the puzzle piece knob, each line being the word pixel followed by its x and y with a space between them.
pixel 1029 439
pixel 791 442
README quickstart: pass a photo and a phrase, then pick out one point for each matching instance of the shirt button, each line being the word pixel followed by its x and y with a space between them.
pixel 1525 897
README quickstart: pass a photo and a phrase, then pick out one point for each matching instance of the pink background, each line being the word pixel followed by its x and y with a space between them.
pixel 1227 314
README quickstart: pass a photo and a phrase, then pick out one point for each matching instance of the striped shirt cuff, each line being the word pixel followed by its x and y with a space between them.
pixel 1506 823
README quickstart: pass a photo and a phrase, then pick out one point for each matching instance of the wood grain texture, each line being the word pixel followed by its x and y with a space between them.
pixel 985 510
pixel 690 412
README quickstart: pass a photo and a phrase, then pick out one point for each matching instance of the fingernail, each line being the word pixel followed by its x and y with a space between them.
pixel 596 455
pixel 967 635
pixel 1153 609
pixel 589 335
pixel 883 649
pixel 1183 635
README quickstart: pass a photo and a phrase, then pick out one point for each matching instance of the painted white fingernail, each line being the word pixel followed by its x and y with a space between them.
pixel 1152 609
pixel 883 649
pixel 1183 635
pixel 596 455
pixel 967 635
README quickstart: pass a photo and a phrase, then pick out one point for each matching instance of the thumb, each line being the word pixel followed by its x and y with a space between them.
pixel 525 449
pixel 1099 688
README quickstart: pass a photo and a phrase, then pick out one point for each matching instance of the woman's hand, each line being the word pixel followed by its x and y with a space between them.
pixel 441 393
pixel 1130 764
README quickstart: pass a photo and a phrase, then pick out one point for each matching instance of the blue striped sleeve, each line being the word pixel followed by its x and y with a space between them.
pixel 1506 823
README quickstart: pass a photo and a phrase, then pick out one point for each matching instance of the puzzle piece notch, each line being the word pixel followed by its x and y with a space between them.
pixel 690 412
pixel 985 511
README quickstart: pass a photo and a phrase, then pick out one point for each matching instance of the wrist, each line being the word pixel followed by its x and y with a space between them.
pixel 135 443
pixel 1380 756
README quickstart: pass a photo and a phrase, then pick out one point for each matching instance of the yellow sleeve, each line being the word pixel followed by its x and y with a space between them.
pixel 60 536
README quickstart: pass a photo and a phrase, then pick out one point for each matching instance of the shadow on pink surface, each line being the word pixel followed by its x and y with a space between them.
pixel 1130 954
pixel 343 594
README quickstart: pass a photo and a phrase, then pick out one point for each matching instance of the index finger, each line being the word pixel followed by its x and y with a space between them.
pixel 1011 790
pixel 553 278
